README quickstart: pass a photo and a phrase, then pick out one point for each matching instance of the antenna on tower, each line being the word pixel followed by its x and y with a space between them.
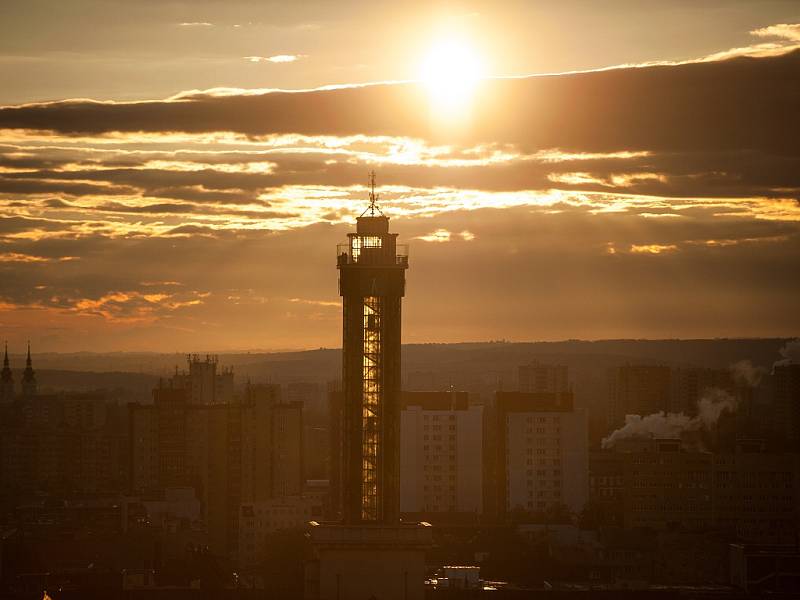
pixel 373 208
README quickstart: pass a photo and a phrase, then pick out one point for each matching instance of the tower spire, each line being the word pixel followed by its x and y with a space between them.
pixel 28 360
pixel 373 208
pixel 5 357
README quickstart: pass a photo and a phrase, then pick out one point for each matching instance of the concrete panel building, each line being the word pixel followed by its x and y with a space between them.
pixel 441 454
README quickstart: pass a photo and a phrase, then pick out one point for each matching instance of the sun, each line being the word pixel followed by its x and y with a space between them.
pixel 451 71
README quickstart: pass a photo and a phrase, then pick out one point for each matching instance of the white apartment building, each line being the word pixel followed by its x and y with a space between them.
pixel 441 453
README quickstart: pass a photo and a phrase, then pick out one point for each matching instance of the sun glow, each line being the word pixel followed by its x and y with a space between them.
pixel 451 71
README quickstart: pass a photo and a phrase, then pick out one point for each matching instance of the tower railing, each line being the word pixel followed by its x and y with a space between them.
pixel 372 256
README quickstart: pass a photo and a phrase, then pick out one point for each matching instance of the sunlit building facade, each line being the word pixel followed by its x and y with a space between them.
pixel 541 453
pixel 441 455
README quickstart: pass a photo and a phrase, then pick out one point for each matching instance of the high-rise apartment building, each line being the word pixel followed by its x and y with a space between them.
pixel 690 384
pixel 787 404
pixel 441 455
pixel 659 484
pixel 541 453
pixel 68 442
pixel 206 383
pixel 537 377
pixel 231 453
pixel 637 390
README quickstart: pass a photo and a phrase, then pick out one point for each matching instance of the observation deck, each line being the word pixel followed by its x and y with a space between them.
pixel 371 256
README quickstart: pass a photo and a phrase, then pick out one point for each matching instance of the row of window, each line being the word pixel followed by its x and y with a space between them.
pixel 438 428
pixel 438 477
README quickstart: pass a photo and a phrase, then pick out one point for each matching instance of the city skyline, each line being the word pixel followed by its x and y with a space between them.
pixel 581 186
pixel 399 301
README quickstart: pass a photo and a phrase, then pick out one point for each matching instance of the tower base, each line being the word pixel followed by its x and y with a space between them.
pixel 367 562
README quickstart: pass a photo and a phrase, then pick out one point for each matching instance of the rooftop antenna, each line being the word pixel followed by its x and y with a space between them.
pixel 373 208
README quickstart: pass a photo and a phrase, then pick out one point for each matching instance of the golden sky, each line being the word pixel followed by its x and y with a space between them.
pixel 173 177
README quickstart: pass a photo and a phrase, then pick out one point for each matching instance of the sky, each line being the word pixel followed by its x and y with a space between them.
pixel 175 176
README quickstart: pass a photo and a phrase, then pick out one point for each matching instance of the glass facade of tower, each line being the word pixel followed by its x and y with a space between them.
pixel 372 282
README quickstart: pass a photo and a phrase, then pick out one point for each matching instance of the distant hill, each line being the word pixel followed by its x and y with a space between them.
pixel 121 386
pixel 478 366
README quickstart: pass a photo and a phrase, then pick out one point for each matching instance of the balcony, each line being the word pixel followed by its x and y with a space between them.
pixel 373 257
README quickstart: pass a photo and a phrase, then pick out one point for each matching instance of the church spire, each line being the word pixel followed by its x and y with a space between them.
pixel 6 380
pixel 29 376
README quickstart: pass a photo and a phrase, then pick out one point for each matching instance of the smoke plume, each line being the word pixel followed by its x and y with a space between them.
pixel 790 353
pixel 746 373
pixel 673 425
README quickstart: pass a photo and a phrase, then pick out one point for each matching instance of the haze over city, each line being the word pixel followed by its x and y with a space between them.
pixel 174 175
pixel 451 300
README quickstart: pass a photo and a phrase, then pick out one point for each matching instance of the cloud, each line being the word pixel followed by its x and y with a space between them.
pixel 443 235
pixel 652 248
pixel 789 31
pixel 277 58
pixel 747 104
pixel 195 24
pixel 440 235
pixel 14 257
pixel 211 218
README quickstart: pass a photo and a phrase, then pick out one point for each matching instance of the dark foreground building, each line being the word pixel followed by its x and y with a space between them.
pixel 371 553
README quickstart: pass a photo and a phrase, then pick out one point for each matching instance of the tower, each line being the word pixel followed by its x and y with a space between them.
pixel 6 380
pixel 372 283
pixel 29 377
pixel 369 552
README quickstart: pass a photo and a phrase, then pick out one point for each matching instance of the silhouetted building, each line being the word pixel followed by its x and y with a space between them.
pixel 420 381
pixel 259 519
pixel 765 570
pixel 542 378
pixel 637 390
pixel 336 450
pixel 308 392
pixel 288 476
pixel 441 455
pixel 690 384
pixel 657 484
pixel 62 443
pixel 6 380
pixel 540 454
pixel 29 387
pixel 787 404
pixel 205 383
pixel 230 453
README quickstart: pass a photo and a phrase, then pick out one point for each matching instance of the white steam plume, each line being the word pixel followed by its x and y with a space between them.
pixel 671 425
pixel 790 353
pixel 746 373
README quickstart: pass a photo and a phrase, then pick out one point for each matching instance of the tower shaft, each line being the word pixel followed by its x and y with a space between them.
pixel 372 283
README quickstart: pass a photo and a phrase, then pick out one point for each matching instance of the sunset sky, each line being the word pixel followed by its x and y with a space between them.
pixel 175 175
